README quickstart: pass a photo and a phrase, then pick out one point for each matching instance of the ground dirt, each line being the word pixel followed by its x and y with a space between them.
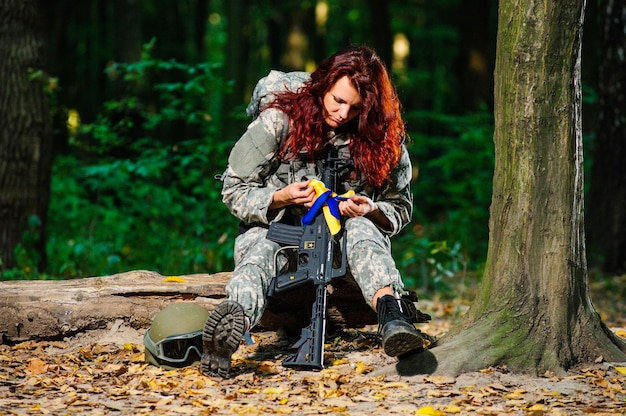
pixel 103 372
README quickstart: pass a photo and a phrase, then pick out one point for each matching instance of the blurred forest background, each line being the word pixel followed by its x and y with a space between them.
pixel 147 97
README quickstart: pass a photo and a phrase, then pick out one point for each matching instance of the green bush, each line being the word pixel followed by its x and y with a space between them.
pixel 453 158
pixel 138 189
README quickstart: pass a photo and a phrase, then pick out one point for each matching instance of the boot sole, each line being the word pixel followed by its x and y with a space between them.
pixel 223 332
pixel 402 341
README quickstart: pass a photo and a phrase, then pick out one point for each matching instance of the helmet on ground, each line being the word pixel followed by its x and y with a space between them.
pixel 174 339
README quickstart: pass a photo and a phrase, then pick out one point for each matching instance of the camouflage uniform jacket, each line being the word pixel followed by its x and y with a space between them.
pixel 254 174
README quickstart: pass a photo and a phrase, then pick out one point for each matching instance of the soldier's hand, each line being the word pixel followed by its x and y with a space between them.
pixel 297 193
pixel 357 206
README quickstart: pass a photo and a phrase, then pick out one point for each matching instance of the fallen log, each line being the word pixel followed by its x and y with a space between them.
pixel 55 309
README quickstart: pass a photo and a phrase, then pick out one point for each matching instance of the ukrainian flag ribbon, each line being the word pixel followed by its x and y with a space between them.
pixel 328 201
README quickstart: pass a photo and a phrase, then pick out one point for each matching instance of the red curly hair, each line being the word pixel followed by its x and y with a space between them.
pixel 377 131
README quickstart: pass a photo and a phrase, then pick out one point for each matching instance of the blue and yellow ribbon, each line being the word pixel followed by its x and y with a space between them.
pixel 328 201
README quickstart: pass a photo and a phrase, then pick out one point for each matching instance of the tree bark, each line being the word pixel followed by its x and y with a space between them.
pixel 54 309
pixel 607 208
pixel 25 134
pixel 533 312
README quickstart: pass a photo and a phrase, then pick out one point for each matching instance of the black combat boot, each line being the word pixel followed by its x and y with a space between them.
pixel 399 335
pixel 223 332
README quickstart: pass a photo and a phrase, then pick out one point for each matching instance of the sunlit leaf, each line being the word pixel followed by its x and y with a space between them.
pixel 430 411
pixel 339 361
pixel 37 366
pixel 273 390
pixel 176 279
pixel 362 368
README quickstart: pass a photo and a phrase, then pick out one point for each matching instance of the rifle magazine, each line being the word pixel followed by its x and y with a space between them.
pixel 285 234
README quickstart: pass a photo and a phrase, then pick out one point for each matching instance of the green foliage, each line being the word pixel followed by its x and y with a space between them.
pixel 455 181
pixel 452 194
pixel 140 189
pixel 27 255
pixel 431 265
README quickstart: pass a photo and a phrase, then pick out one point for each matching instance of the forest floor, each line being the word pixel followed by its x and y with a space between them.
pixel 103 372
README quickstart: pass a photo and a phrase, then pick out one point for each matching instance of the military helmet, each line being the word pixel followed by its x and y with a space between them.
pixel 174 338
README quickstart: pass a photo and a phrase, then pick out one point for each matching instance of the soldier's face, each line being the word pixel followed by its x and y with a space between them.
pixel 341 103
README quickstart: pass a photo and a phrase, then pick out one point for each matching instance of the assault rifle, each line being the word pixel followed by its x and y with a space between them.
pixel 315 248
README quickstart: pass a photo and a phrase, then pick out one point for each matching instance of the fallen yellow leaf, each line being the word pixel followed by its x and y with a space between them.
pixel 176 279
pixel 37 366
pixel 452 409
pixel 621 370
pixel 339 361
pixel 273 390
pixel 430 411
pixel 268 367
pixel 515 395
pixel 362 368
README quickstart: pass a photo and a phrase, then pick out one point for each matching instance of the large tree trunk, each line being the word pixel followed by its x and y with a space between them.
pixel 533 312
pixel 25 134
pixel 607 208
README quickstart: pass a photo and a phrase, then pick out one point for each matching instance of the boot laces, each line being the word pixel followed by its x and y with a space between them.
pixel 391 309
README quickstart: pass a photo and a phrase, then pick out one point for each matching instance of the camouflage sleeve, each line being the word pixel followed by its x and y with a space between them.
pixel 246 191
pixel 395 199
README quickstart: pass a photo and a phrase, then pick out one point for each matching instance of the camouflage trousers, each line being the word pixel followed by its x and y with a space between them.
pixel 368 254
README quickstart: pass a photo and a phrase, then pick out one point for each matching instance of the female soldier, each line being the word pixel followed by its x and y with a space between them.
pixel 350 103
